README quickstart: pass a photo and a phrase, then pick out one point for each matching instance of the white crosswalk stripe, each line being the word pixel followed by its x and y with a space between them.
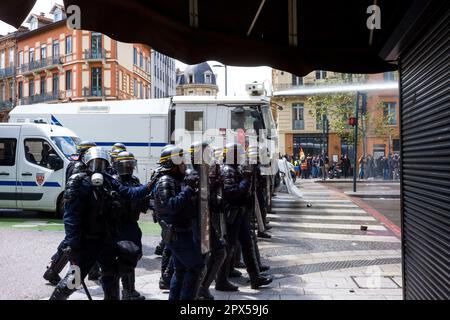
pixel 322 217
pixel 328 226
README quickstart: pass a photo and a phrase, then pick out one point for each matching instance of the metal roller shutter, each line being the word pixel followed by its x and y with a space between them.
pixel 425 134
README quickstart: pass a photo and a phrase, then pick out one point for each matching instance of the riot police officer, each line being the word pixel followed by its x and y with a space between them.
pixel 59 259
pixel 129 217
pixel 200 154
pixel 236 196
pixel 176 207
pixel 91 227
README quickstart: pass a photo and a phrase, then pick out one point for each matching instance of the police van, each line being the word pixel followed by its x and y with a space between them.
pixel 146 126
pixel 33 161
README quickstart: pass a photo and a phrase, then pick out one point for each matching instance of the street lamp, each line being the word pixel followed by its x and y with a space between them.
pixel 226 75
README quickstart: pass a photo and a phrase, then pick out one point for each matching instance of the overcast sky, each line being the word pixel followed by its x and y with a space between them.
pixel 238 77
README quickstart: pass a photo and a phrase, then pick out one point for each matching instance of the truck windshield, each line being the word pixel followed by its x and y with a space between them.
pixel 269 122
pixel 246 118
pixel 67 145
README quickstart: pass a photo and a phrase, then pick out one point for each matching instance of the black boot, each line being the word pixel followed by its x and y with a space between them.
pixel 205 294
pixel 94 273
pixel 264 268
pixel 215 262
pixel 57 264
pixel 159 249
pixel 234 273
pixel 222 283
pixel 264 234
pixel 51 276
pixel 62 291
pixel 110 285
pixel 129 291
pixel 257 280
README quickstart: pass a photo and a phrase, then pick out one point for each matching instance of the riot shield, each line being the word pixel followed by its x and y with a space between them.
pixel 204 212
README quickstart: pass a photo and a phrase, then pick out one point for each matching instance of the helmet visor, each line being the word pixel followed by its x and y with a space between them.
pixel 97 165
pixel 126 167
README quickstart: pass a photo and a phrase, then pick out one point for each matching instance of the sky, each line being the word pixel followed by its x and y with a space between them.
pixel 238 77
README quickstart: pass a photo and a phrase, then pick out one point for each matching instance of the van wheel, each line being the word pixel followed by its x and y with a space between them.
pixel 60 207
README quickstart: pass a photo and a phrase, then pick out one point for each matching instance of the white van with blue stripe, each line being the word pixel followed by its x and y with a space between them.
pixel 33 161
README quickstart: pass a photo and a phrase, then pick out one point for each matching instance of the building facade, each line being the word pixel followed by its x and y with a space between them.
pixel 57 64
pixel 197 80
pixel 299 125
pixel 163 74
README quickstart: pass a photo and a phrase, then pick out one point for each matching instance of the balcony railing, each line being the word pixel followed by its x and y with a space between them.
pixel 298 125
pixel 7 72
pixel 94 54
pixel 93 92
pixel 39 98
pixel 6 105
pixel 37 65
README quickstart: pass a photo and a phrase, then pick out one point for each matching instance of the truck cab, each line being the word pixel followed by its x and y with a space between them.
pixel 33 161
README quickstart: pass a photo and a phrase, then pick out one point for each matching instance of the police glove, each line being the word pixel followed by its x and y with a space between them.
pixel 192 180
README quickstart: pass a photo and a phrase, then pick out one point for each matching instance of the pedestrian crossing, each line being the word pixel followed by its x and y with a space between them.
pixel 326 215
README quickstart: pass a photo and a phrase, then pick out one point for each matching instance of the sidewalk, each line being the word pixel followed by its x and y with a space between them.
pixel 316 253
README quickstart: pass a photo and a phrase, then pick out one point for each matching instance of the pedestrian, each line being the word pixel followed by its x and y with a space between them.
pixel 362 164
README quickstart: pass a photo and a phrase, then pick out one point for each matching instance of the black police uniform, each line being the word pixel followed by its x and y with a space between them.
pixel 236 198
pixel 59 259
pixel 129 230
pixel 92 231
pixel 175 205
pixel 218 253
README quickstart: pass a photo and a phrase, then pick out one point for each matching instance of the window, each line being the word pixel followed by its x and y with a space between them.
pixel 7 152
pixel 20 58
pixel 68 44
pixel 297 81
pixel 55 48
pixel 396 145
pixel 135 90
pixel 11 57
pixel 33 24
pixel 207 77
pixel 69 80
pixel 141 60
pixel 31 88
pixel 57 15
pixel 55 82
pixel 96 82
pixel 190 92
pixel 379 150
pixel 31 55
pixel 67 145
pixel 191 78
pixel 320 74
pixel 389 76
pixel 389 113
pixel 193 121
pixel 42 90
pixel 20 90
pixel 208 93
pixel 134 56
pixel 43 53
pixel 39 152
pixel 2 59
pixel 96 44
pixel 297 116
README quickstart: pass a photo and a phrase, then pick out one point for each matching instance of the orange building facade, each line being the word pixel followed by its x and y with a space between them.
pixel 57 64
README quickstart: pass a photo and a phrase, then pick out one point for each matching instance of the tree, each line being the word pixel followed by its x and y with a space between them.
pixel 382 126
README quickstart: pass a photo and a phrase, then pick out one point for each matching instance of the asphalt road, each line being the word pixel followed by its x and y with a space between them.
pixel 29 239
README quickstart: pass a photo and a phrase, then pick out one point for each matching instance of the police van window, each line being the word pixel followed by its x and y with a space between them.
pixel 8 152
pixel 193 121
pixel 67 145
pixel 246 118
pixel 39 152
